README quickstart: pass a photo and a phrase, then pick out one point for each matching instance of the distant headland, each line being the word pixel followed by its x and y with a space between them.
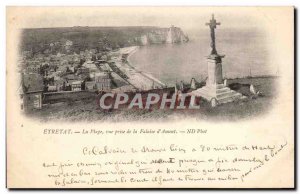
pixel 164 35
pixel 76 39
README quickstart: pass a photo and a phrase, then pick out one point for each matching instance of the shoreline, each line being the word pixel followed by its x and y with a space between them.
pixel 131 53
pixel 139 79
pixel 145 78
pixel 149 76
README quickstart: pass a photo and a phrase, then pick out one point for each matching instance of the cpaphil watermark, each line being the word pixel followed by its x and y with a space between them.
pixel 148 101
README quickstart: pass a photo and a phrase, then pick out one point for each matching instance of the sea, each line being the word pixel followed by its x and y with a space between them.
pixel 246 54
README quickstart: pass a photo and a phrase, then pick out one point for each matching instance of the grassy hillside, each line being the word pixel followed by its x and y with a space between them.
pixel 248 108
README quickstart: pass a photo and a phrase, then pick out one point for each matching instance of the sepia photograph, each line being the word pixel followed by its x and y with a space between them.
pixel 159 97
pixel 201 64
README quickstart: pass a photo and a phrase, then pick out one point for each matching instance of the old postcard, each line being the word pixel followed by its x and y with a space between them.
pixel 150 97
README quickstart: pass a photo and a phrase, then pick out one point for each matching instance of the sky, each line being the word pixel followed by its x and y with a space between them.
pixel 187 18
pixel 275 22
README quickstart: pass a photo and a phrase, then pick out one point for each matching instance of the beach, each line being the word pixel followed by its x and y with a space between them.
pixel 137 78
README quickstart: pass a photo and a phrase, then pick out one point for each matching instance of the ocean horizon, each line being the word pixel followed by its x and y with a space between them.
pixel 246 54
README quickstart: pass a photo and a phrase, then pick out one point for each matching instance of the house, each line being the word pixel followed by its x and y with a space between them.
pixel 32 86
pixel 70 77
pixel 76 85
pixel 33 69
pixel 83 70
pixel 60 84
pixel 70 69
pixel 90 85
pixel 52 88
pixel 103 81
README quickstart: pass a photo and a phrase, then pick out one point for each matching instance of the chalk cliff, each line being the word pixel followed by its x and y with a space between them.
pixel 164 35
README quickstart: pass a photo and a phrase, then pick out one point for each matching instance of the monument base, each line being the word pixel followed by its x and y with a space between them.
pixel 218 92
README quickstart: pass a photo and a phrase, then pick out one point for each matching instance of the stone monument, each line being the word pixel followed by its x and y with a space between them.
pixel 215 91
pixel 193 84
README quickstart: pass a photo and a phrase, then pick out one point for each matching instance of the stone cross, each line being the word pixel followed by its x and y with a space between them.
pixel 213 24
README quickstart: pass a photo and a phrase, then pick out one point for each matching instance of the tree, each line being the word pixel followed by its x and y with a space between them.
pixel 93 57
pixel 81 62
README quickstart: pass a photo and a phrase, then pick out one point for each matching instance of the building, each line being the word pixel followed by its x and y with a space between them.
pixel 90 85
pixel 32 91
pixel 70 77
pixel 52 88
pixel 76 86
pixel 83 70
pixel 102 82
pixel 60 84
pixel 33 69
